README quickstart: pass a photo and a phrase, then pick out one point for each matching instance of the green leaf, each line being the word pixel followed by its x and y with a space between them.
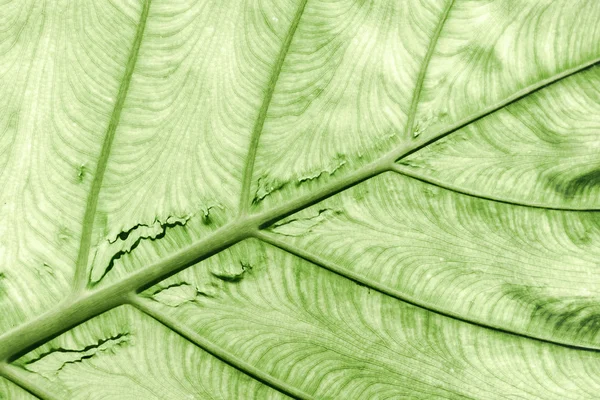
pixel 11 391
pixel 312 199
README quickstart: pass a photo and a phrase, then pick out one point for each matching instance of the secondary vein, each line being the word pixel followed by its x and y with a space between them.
pixel 432 181
pixel 21 378
pixel 262 114
pixel 145 306
pixel 389 291
pixel 410 148
pixel 423 70
pixel 386 162
pixel 92 201
pixel 82 307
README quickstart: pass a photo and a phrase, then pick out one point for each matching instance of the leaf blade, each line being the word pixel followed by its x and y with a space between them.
pixel 177 170
pixel 463 256
pixel 303 325
pixel 81 265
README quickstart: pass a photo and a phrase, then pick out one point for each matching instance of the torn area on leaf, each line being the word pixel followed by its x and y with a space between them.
pixel 212 278
pixel 52 362
pixel 301 226
pixel 232 273
pixel 268 184
pixel 176 295
pixel 113 248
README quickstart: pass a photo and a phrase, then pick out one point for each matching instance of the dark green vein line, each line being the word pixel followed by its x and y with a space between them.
pixel 80 279
pixel 386 162
pixel 262 114
pixel 146 306
pixel 412 113
pixel 20 377
pixel 431 181
pixel 416 145
pixel 334 187
pixel 345 273
pixel 83 306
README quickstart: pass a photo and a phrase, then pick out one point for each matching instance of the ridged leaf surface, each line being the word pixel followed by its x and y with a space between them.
pixel 312 199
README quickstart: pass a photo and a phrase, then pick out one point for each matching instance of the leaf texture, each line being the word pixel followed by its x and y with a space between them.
pixel 12 391
pixel 312 199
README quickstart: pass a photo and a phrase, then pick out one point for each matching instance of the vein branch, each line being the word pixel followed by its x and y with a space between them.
pixel 86 305
pixel 20 377
pixel 387 161
pixel 416 145
pixel 262 114
pixel 412 113
pixel 146 306
pixel 432 181
pixel 80 279
pixel 397 294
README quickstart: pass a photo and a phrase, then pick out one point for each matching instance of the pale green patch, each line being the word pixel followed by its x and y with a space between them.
pixel 312 199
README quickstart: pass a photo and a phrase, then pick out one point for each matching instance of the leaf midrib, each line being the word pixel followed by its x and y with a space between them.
pixel 41 329
pixel 84 305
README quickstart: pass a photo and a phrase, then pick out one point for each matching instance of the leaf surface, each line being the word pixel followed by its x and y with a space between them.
pixel 307 199
pixel 12 391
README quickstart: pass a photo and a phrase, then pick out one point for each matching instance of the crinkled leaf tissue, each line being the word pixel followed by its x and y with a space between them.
pixel 308 199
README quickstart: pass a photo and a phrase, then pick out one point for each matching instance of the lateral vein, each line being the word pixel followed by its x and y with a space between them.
pixel 19 377
pixel 386 290
pixel 414 146
pixel 432 181
pixel 412 113
pixel 189 334
pixel 92 201
pixel 386 162
pixel 262 114
pixel 84 306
